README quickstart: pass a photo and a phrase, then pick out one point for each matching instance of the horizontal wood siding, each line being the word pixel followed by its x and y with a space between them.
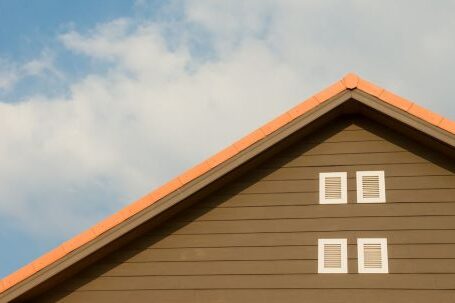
pixel 358 295
pixel 256 239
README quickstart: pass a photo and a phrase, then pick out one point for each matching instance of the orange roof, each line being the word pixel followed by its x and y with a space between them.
pixel 349 82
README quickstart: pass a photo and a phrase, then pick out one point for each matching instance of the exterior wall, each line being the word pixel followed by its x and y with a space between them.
pixel 256 239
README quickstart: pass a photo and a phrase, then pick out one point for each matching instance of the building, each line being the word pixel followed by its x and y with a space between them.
pixel 348 197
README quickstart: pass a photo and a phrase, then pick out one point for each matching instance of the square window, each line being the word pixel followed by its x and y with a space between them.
pixel 372 255
pixel 332 256
pixel 333 188
pixel 370 187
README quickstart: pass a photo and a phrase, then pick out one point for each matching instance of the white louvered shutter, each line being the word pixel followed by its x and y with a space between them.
pixel 370 187
pixel 332 256
pixel 372 255
pixel 332 188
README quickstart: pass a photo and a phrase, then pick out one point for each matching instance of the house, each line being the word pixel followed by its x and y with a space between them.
pixel 347 197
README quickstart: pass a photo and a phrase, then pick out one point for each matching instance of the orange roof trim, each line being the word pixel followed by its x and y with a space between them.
pixel 349 82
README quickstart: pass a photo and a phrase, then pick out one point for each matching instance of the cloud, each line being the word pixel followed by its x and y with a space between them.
pixel 164 104
pixel 41 66
pixel 69 161
pixel 11 72
pixel 139 49
pixel 8 75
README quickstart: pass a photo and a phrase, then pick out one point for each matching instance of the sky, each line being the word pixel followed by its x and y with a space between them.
pixel 103 101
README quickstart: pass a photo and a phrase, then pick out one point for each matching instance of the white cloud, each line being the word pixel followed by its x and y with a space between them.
pixel 138 49
pixel 123 125
pixel 11 72
pixel 159 109
pixel 40 66
pixel 8 75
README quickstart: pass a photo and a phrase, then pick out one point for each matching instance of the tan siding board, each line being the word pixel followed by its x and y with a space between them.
pixel 391 281
pixel 262 295
pixel 333 148
pixel 399 266
pixel 319 211
pixel 351 133
pixel 404 266
pixel 292 238
pixel 304 252
pixel 319 224
pixel 393 196
pixel 391 170
pixel 346 159
pixel 401 183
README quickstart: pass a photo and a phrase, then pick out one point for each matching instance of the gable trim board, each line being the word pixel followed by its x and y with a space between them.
pixel 226 161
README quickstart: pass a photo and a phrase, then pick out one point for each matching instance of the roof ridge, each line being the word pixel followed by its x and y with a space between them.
pixel 349 82
pixel 353 81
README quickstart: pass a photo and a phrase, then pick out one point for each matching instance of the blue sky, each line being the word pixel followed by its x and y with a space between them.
pixel 102 101
pixel 30 25
pixel 28 28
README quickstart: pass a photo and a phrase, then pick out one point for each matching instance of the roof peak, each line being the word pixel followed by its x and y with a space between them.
pixel 350 80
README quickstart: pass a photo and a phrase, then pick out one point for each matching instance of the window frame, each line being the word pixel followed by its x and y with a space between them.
pixel 361 256
pixel 359 183
pixel 344 256
pixel 344 188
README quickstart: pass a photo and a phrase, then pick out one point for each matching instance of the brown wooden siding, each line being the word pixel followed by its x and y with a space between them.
pixel 256 239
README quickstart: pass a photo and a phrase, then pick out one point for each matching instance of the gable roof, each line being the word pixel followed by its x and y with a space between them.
pixel 350 86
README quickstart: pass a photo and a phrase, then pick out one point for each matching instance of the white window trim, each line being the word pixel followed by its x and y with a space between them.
pixel 360 198
pixel 344 256
pixel 344 190
pixel 384 255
